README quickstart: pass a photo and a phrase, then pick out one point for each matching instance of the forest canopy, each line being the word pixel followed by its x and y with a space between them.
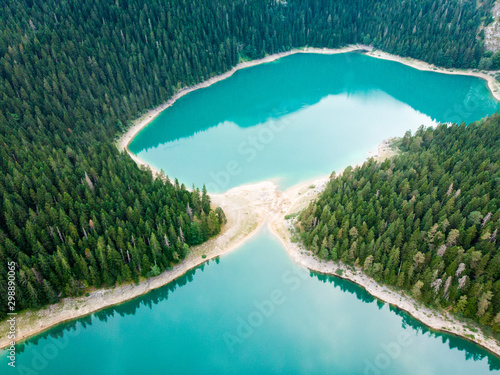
pixel 426 221
pixel 75 212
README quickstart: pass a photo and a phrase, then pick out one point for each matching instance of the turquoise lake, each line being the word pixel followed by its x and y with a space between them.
pixel 300 117
pixel 254 311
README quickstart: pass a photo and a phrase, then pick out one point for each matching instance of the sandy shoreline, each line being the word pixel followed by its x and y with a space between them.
pixel 149 116
pixel 247 208
pixel 493 84
pixel 298 197
pixel 436 320
pixel 245 213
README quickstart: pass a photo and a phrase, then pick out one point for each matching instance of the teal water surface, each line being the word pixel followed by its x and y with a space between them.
pixel 254 311
pixel 300 117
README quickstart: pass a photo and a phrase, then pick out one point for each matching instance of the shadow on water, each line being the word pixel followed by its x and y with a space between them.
pixel 271 91
pixel 149 299
pixel 471 350
pixel 154 297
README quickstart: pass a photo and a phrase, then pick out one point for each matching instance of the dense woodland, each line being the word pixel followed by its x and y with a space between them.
pixel 75 212
pixel 426 221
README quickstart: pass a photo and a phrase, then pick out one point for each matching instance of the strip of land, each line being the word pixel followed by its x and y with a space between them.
pixel 296 199
pixel 247 208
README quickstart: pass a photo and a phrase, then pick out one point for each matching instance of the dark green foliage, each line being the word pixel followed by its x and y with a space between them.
pixel 496 61
pixel 90 221
pixel 74 212
pixel 426 221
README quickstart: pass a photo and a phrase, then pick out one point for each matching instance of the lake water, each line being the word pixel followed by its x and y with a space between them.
pixel 300 117
pixel 253 312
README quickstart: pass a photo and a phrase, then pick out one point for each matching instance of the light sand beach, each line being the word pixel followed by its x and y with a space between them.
pixel 493 84
pixel 247 208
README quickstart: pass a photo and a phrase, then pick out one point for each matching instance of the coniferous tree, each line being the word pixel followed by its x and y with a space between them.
pixel 426 221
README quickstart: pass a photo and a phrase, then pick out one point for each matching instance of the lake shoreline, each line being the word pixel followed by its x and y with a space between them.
pixel 492 83
pixel 240 227
pixel 434 319
pixel 247 208
pixel 144 120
